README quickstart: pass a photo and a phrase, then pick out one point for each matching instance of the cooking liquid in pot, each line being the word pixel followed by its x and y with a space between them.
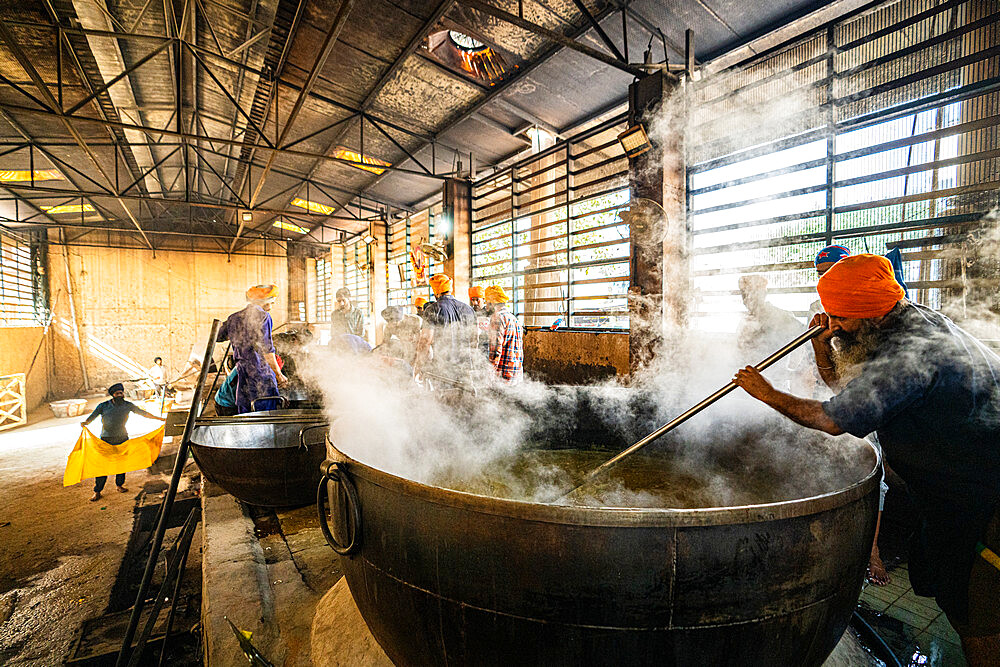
pixel 660 480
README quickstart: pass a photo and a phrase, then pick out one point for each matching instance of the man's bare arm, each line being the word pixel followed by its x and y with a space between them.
pixel 824 352
pixel 804 411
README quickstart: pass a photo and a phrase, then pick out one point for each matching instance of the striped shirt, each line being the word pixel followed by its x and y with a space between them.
pixel 506 345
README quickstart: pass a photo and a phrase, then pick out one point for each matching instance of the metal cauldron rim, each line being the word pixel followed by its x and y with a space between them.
pixel 638 517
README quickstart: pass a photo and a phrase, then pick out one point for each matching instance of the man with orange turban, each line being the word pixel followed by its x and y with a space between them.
pixel 258 375
pixel 506 339
pixel 451 332
pixel 931 392
pixel 477 297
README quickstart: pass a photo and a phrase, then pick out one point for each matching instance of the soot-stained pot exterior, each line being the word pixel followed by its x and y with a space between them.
pixel 258 456
pixel 449 578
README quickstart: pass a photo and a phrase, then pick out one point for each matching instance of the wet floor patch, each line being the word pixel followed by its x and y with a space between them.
pixel 913 626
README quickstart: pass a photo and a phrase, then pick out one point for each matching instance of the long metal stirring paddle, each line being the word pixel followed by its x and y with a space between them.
pixel 691 412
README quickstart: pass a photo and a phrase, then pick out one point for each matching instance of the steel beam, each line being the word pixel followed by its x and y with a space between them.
pixel 56 192
pixel 188 135
pixel 395 143
pixel 496 92
pixel 418 37
pixel 128 70
pixel 53 104
pixel 600 31
pixel 339 20
pixel 558 37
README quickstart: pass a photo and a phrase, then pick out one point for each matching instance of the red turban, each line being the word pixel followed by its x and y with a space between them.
pixel 859 287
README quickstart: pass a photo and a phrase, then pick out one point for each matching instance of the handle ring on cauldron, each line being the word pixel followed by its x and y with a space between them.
pixel 302 434
pixel 336 472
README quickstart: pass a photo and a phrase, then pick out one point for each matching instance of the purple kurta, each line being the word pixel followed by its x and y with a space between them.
pixel 249 331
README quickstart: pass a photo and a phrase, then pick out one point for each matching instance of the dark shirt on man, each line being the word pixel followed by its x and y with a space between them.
pixel 113 417
pixel 932 393
pixel 454 325
pixel 347 322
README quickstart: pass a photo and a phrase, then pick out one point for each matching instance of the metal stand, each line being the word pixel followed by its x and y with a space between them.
pixel 168 501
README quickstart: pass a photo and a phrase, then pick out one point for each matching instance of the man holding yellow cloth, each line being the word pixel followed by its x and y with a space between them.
pixel 932 394
pixel 114 413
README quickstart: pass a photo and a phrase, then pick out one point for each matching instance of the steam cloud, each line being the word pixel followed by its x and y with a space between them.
pixel 736 447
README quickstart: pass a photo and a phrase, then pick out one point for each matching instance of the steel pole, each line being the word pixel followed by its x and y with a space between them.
pixel 690 412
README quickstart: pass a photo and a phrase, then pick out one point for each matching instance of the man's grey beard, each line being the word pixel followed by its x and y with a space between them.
pixel 851 353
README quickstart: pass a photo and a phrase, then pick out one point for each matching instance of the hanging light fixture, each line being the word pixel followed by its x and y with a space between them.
pixel 369 237
pixel 634 141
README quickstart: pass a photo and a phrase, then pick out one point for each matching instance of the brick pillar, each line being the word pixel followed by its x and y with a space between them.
pixel 659 276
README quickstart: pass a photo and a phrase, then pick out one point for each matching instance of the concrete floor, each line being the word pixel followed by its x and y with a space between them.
pixel 59 553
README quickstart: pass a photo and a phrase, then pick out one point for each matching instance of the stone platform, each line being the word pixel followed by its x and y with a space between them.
pixel 268 572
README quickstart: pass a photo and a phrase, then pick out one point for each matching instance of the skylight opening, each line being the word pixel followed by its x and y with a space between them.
pixel 290 227
pixel 26 176
pixel 68 208
pixel 362 161
pixel 313 207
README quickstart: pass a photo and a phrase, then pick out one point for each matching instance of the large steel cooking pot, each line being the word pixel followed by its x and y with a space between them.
pixel 445 577
pixel 268 458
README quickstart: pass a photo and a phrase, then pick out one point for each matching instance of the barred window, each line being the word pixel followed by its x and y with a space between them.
pixel 23 300
pixel 406 236
pixel 547 230
pixel 357 269
pixel 877 133
pixel 324 296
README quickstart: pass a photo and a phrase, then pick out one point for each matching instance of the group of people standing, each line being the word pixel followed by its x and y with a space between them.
pixel 454 332
pixel 442 338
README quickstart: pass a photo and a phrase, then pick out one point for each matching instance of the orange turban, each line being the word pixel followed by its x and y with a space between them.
pixel 440 283
pixel 495 294
pixel 859 287
pixel 262 294
pixel 476 292
pixel 420 301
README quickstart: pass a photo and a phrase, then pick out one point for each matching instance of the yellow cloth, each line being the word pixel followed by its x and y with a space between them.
pixel 92 457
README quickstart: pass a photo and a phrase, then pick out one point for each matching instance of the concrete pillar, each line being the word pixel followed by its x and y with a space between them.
pixel 457 202
pixel 659 276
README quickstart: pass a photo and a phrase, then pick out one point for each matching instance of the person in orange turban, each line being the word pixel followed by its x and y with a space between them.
pixel 441 284
pixel 419 303
pixel 859 287
pixel 930 392
pixel 262 295
pixel 506 350
pixel 476 297
pixel 258 374
pixel 451 332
